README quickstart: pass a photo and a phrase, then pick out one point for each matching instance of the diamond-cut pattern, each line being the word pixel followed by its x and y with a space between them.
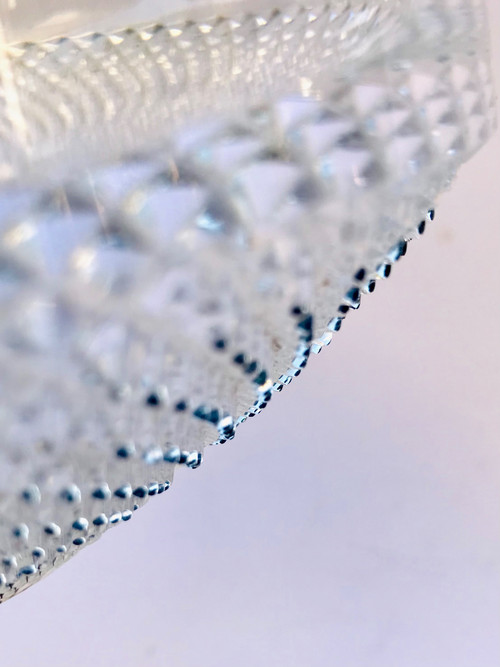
pixel 154 300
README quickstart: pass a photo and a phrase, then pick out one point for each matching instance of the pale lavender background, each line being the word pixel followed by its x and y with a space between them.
pixel 356 523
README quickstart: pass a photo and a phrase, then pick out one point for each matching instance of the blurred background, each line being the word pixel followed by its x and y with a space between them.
pixel 355 523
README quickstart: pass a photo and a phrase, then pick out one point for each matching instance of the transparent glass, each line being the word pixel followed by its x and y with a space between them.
pixel 190 208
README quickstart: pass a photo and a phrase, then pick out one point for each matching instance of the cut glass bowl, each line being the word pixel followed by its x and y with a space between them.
pixel 194 195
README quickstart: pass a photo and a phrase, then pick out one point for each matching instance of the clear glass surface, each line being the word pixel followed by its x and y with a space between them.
pixel 190 208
